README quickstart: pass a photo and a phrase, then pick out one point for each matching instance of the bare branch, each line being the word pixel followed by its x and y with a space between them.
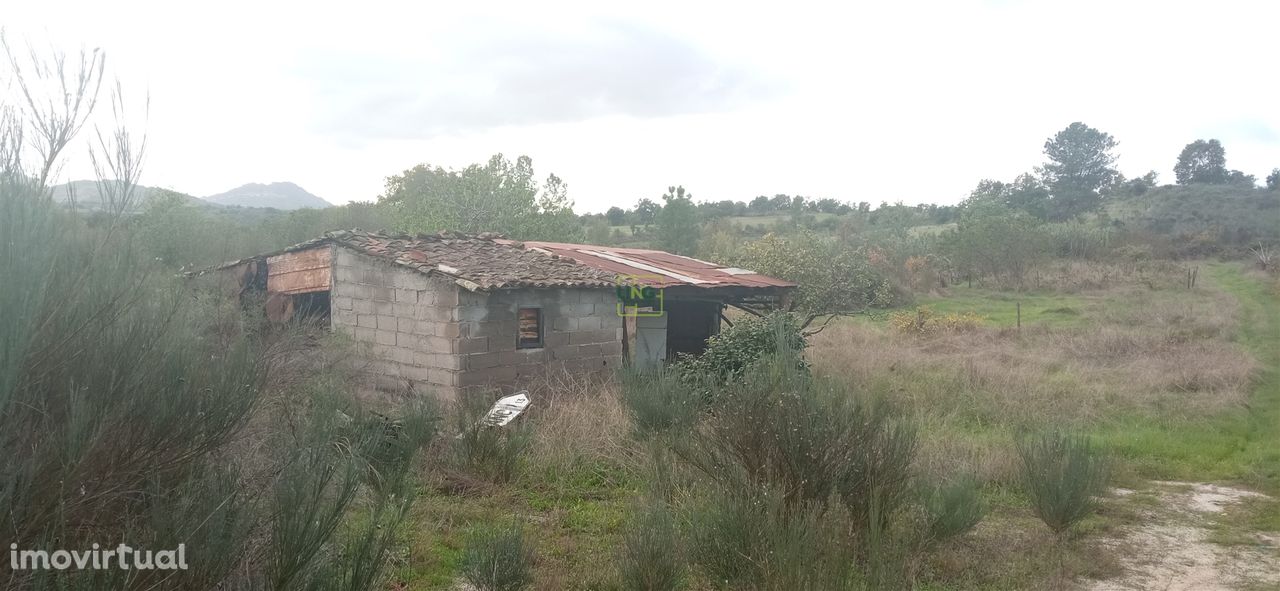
pixel 58 97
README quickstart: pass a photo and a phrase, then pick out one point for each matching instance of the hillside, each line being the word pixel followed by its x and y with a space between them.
pixel 87 195
pixel 1234 214
pixel 283 195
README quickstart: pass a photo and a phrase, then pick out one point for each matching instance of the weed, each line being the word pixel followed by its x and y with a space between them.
pixel 651 559
pixel 497 558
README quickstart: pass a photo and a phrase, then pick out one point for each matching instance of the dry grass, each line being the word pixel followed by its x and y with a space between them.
pixel 1157 353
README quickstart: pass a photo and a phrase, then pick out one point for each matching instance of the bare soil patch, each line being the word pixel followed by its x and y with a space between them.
pixel 1170 549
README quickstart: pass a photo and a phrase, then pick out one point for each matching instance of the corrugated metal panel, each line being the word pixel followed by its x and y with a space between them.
pixel 304 271
pixel 675 269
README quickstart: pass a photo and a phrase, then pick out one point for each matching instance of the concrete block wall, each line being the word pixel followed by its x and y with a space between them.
pixel 407 322
pixel 582 332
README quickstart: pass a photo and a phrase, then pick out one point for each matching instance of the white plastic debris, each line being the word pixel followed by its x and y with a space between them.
pixel 506 409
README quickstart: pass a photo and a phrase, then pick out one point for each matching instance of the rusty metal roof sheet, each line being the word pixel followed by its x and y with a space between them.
pixel 658 268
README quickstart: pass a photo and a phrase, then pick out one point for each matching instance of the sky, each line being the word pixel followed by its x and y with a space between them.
pixel 879 102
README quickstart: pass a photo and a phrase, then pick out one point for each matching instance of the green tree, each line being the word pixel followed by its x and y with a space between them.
pixel 499 196
pixel 1080 166
pixel 678 228
pixel 833 278
pixel 991 240
pixel 647 212
pixel 1202 162
pixel 616 216
pixel 1273 179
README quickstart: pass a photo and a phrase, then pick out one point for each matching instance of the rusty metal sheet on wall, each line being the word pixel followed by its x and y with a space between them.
pixel 304 271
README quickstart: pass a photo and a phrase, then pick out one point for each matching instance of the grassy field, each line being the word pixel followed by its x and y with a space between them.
pixel 1179 384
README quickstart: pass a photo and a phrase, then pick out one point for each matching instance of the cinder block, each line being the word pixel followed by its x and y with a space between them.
pixel 344 317
pixel 589 350
pixel 404 309
pixel 426 358
pixel 345 289
pixel 438 344
pixel 362 306
pixel 426 297
pixel 408 325
pixel 417 374
pixel 387 322
pixel 555 339
pixel 409 342
pixel 367 335
pixel 383 308
pixel 442 376
pixel 367 320
pixel 565 323
pixel 449 330
pixel 473 345
pixel 385 337
pixel 589 323
pixel 378 293
pixel 483 360
pixel 612 348
pixel 565 352
pixel 447 296
pixel 426 328
pixel 341 303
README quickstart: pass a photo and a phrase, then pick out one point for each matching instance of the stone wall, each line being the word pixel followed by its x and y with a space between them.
pixel 582 332
pixel 406 322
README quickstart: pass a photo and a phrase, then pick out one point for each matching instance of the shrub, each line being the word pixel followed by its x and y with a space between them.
pixel 496 558
pixel 492 453
pixel 953 508
pixel 924 321
pixel 1062 475
pixel 735 348
pixel 651 559
pixel 749 538
pixel 658 400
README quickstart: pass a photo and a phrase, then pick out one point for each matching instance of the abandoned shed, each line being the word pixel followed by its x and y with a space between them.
pixel 449 312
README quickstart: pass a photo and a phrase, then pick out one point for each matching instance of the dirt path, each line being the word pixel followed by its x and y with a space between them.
pixel 1170 550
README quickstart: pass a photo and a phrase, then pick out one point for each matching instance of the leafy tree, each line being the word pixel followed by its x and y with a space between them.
pixel 1273 179
pixel 499 196
pixel 991 240
pixel 1238 178
pixel 833 278
pixel 1080 166
pixel 760 204
pixel 1202 162
pixel 1142 184
pixel 678 229
pixel 616 216
pixel 647 211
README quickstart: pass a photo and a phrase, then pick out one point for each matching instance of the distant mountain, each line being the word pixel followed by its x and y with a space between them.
pixel 87 195
pixel 277 195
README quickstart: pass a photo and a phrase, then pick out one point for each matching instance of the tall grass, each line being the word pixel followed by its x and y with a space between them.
pixel 498 558
pixel 651 558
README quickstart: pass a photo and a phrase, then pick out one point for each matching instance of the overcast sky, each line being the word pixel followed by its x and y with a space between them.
pixel 884 102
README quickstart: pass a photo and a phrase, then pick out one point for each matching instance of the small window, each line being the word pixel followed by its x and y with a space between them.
pixel 530 328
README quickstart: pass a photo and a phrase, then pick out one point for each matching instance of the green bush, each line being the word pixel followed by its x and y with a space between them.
pixel 735 348
pixel 953 508
pixel 1062 474
pixel 651 557
pixel 497 558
